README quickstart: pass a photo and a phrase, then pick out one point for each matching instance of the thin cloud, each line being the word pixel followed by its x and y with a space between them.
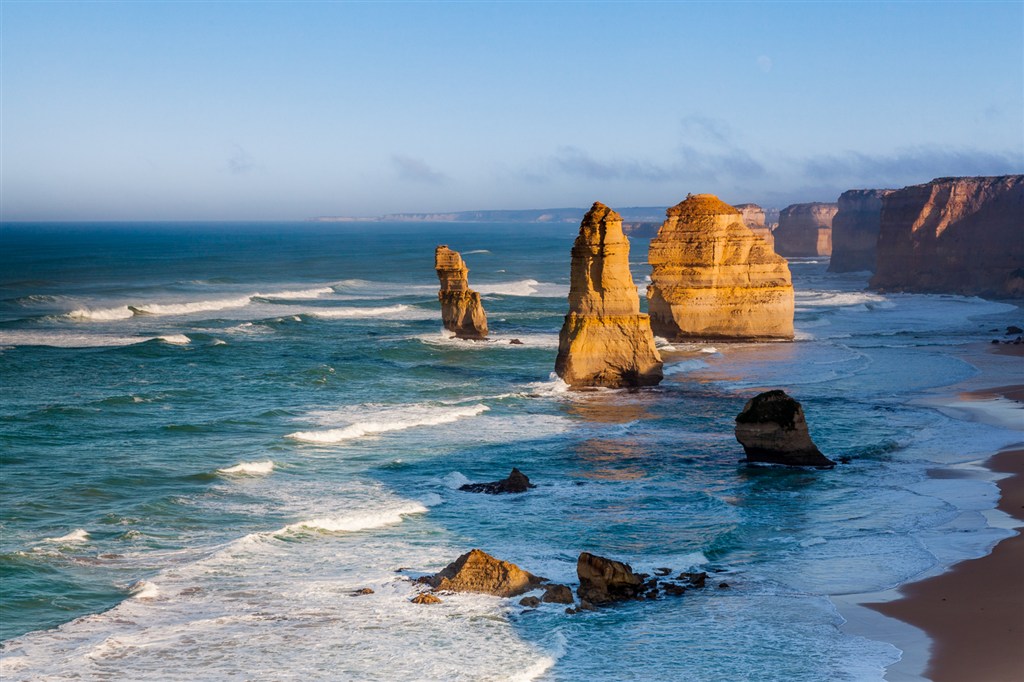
pixel 240 161
pixel 417 170
pixel 908 166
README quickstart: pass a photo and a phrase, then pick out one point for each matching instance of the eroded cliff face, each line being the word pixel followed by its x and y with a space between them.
pixel 754 219
pixel 714 278
pixel 605 339
pixel 954 235
pixel 855 230
pixel 805 230
pixel 461 310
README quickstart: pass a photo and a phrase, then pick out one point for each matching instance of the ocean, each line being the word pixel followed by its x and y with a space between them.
pixel 213 434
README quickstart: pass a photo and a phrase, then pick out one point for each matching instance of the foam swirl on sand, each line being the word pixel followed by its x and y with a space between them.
pixel 392 420
pixel 249 468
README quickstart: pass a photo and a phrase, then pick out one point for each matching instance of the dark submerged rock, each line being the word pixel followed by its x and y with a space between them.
pixel 604 581
pixel 557 594
pixel 517 482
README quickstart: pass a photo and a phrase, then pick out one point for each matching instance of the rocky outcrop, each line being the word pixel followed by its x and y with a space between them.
pixel 605 340
pixel 954 235
pixel 517 482
pixel 461 310
pixel 805 230
pixel 713 278
pixel 855 230
pixel 478 571
pixel 753 218
pixel 557 594
pixel 772 429
pixel 426 598
pixel 603 581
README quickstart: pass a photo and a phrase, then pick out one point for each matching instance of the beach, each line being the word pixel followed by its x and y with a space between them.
pixel 974 613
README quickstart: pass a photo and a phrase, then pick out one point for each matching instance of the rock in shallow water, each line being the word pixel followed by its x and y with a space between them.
pixel 603 581
pixel 772 429
pixel 478 571
pixel 461 310
pixel 517 482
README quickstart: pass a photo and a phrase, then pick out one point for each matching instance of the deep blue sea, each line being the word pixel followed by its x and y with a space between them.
pixel 212 434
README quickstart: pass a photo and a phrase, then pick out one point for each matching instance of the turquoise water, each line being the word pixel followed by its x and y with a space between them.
pixel 211 435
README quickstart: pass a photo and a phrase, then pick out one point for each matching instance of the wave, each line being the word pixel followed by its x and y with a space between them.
pixel 122 312
pixel 522 287
pixel 249 468
pixel 76 536
pixel 445 338
pixel 143 589
pixel 191 307
pixel 400 419
pixel 299 294
pixel 341 313
pixel 355 522
pixel 467 253
pixel 175 339
pixel 684 367
pixel 62 339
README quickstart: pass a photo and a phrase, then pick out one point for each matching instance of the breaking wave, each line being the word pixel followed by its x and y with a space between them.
pixel 249 468
pixel 390 420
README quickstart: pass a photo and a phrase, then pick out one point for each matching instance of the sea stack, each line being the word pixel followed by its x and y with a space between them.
pixel 855 230
pixel 461 310
pixel 805 230
pixel 712 278
pixel 772 429
pixel 605 339
pixel 754 219
pixel 953 235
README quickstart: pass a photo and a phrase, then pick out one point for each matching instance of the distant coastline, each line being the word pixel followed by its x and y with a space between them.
pixel 530 215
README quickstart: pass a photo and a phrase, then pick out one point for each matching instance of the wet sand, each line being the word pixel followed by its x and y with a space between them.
pixel 974 613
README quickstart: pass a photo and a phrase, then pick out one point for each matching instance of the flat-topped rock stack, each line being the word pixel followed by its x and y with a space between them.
pixel 855 230
pixel 954 235
pixel 712 277
pixel 605 339
pixel 805 230
pixel 462 313
pixel 754 219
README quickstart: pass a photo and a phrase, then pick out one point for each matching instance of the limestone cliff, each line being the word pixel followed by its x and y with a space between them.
pixel 713 278
pixel 461 310
pixel 805 230
pixel 855 230
pixel 605 340
pixel 754 219
pixel 954 235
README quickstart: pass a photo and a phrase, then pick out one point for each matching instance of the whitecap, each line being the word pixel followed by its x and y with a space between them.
pixel 122 312
pixel 393 420
pixel 455 480
pixel 468 253
pixel 62 339
pixel 355 522
pixel 554 386
pixel 299 294
pixel 76 536
pixel 249 468
pixel 400 311
pixel 190 307
pixel 143 589
pixel 175 339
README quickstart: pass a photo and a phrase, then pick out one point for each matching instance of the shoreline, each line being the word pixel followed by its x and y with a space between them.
pixel 965 622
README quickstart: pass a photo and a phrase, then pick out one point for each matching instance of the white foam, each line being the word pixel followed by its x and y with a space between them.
pixel 447 339
pixel 554 386
pixel 299 294
pixel 175 339
pixel 354 522
pixel 468 253
pixel 191 307
pixel 249 468
pixel 391 420
pixel 122 312
pixel 400 311
pixel 63 339
pixel 522 287
pixel 76 536
pixel 455 480
pixel 144 590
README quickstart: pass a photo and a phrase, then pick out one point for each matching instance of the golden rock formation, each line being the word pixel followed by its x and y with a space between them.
pixel 478 571
pixel 805 230
pixel 753 217
pixel 461 310
pixel 714 278
pixel 605 339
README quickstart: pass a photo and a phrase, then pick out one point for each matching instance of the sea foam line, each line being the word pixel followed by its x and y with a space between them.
pixel 249 468
pixel 355 522
pixel 370 427
pixel 124 312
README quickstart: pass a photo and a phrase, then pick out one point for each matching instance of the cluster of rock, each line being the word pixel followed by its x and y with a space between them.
pixel 462 313
pixel 605 340
pixel 855 230
pixel 602 582
pixel 805 230
pixel 772 430
pixel 712 277
pixel 953 235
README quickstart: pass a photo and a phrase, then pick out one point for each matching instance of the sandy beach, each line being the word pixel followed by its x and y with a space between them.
pixel 974 613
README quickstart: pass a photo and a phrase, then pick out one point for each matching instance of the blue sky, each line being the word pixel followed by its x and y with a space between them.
pixel 266 110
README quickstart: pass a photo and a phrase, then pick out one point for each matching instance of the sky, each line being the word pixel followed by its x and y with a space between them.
pixel 289 110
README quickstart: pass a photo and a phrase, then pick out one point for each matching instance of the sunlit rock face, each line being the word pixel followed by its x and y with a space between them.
pixel 805 230
pixel 605 339
pixel 462 313
pixel 753 218
pixel 855 230
pixel 954 235
pixel 714 278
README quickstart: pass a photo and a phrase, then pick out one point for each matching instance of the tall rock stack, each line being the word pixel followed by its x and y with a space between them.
pixel 714 278
pixel 805 230
pixel 954 235
pixel 855 230
pixel 605 339
pixel 753 218
pixel 461 310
